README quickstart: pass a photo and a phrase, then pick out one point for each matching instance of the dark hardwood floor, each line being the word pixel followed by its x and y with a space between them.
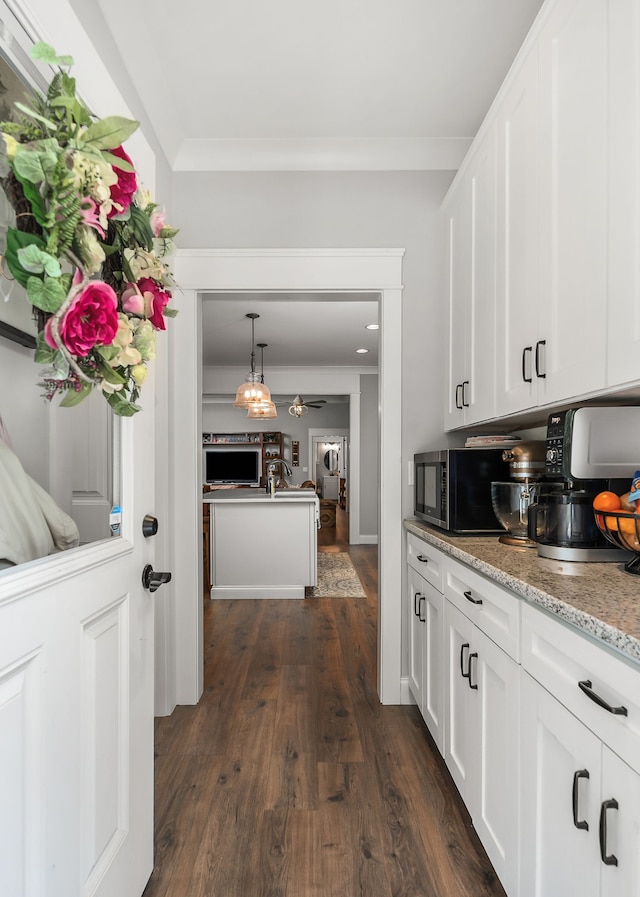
pixel 289 779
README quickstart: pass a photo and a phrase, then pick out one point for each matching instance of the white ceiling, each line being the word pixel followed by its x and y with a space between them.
pixel 300 331
pixel 291 85
pixel 238 84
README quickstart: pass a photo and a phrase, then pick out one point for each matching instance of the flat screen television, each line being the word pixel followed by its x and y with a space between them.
pixel 226 465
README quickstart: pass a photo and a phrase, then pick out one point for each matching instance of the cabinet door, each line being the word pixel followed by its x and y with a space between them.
pixel 460 745
pixel 426 666
pixel 479 394
pixel 573 185
pixel 620 834
pixel 624 194
pixel 494 801
pixel 457 217
pixel 517 241
pixel 416 608
pixel 559 799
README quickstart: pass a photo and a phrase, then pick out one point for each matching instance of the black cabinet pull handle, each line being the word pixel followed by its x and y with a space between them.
pixel 580 774
pixel 464 675
pixel 422 559
pixel 541 342
pixel 465 404
pixel 526 379
pixel 586 687
pixel 420 617
pixel 471 685
pixel 458 396
pixel 607 859
pixel 470 597
pixel 416 612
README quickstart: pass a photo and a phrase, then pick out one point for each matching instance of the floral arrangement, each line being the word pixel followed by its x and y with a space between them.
pixel 89 246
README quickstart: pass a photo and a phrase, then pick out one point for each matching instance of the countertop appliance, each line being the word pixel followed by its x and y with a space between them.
pixel 453 488
pixel 588 449
pixel 511 499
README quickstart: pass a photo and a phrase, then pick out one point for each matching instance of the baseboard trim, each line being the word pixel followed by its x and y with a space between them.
pixel 368 540
pixel 405 692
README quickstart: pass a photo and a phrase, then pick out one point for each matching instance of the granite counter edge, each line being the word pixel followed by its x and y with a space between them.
pixel 584 622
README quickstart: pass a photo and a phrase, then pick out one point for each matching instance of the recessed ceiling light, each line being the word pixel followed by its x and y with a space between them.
pixel 362 351
pixel 372 327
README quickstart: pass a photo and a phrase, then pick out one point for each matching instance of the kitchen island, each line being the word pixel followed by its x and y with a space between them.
pixel 263 546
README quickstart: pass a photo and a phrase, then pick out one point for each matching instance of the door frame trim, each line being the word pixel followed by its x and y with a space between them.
pixel 300 270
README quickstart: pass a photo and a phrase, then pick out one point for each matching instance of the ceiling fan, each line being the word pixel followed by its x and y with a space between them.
pixel 298 407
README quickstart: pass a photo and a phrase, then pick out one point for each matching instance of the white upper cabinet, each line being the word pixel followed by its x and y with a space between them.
pixel 573 146
pixel 562 247
pixel 623 338
pixel 470 221
pixel 517 241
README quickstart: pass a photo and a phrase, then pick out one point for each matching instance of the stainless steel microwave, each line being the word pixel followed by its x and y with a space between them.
pixel 453 488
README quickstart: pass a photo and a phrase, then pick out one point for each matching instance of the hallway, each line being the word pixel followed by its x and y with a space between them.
pixel 289 779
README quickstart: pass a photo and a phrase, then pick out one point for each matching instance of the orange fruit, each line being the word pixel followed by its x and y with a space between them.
pixel 627 525
pixel 606 501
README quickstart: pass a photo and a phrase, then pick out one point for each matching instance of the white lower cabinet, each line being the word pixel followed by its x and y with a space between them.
pixel 481 737
pixel 426 662
pixel 580 819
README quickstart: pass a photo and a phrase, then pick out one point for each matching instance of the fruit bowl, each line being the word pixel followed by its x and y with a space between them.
pixel 622 529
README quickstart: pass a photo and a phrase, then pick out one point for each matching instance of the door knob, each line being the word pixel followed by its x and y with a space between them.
pixel 152 579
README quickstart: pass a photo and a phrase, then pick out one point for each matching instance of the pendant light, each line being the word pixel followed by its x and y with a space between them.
pixel 252 390
pixel 265 408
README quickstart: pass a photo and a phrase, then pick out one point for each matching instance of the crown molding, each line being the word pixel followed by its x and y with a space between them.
pixel 382 154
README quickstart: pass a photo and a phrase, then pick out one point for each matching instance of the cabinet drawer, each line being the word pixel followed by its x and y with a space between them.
pixel 561 658
pixel 494 610
pixel 425 559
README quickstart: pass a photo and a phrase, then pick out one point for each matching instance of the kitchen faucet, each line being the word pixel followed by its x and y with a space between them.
pixel 271 474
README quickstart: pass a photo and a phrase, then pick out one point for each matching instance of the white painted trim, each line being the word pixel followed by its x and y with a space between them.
pixel 405 692
pixel 376 154
pixel 354 470
pixel 368 540
pixel 304 270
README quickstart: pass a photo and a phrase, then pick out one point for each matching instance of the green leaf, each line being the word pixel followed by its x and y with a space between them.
pixel 170 312
pixel 107 352
pixel 16 240
pixel 116 161
pixel 77 109
pixel 47 294
pixel 141 227
pixel 110 374
pixel 32 194
pixel 33 114
pixel 108 133
pixel 44 353
pixel 47 54
pixel 73 397
pixel 36 261
pixel 37 165
pixel 121 405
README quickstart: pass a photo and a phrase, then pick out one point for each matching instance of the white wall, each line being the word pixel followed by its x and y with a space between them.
pixel 343 209
pixel 369 456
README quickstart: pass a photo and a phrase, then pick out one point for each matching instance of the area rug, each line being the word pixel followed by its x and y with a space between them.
pixel 337 577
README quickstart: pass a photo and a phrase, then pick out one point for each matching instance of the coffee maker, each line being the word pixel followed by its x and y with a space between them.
pixel 588 450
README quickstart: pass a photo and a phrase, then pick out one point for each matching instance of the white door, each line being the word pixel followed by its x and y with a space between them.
pixel 460 750
pixel 559 799
pixel 619 829
pixel 76 706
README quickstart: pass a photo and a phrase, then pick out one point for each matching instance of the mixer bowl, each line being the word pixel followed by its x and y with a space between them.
pixel 511 502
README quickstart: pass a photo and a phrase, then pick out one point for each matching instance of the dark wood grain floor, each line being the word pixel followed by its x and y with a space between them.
pixel 289 779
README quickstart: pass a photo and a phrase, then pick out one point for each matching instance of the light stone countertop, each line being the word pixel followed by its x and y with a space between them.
pixel 259 495
pixel 599 599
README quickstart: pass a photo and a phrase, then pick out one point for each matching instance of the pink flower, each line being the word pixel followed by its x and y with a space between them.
pixel 155 301
pixel 90 320
pixel 127 184
pixel 133 300
pixel 157 220
pixel 89 212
